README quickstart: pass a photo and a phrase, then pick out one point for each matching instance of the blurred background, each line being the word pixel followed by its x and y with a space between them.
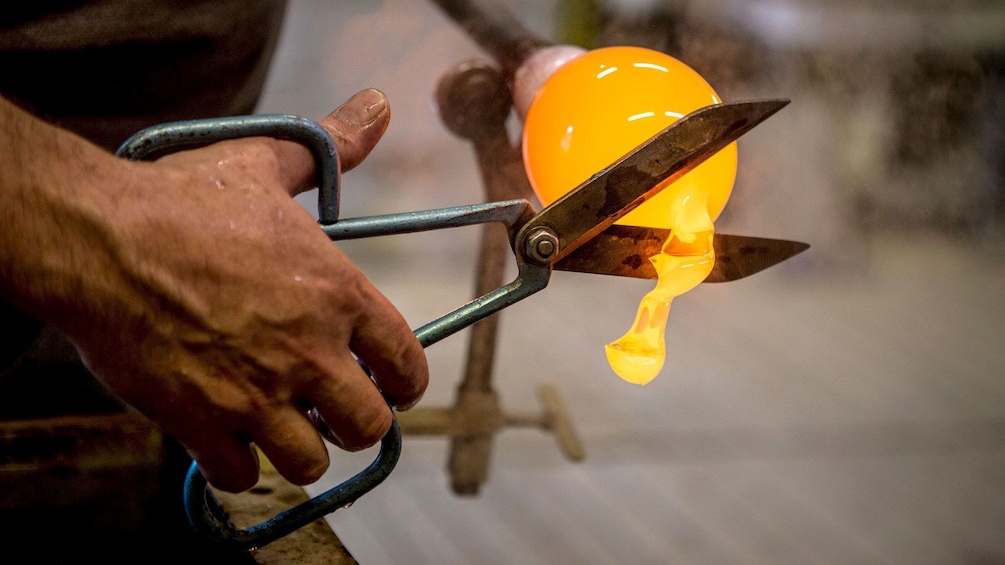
pixel 847 406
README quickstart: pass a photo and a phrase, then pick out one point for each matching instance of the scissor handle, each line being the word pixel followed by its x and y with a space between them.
pixel 209 519
pixel 531 276
pixel 155 139
pixel 204 512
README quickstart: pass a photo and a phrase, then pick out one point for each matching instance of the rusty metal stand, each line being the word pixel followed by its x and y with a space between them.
pixel 474 101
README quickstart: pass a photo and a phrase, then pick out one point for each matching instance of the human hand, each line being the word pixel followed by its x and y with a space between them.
pixel 224 314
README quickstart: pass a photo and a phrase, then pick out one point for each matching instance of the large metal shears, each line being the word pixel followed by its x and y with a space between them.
pixel 575 233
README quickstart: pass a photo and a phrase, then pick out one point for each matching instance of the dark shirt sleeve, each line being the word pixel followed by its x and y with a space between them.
pixel 107 68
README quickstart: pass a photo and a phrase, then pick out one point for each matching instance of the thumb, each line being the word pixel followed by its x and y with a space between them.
pixel 356 126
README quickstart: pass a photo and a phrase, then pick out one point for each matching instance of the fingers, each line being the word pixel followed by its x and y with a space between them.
pixel 292 444
pixel 228 462
pixel 383 340
pixel 351 407
pixel 354 416
pixel 356 126
pixel 351 404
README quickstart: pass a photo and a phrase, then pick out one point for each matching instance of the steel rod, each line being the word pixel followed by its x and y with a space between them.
pixel 506 212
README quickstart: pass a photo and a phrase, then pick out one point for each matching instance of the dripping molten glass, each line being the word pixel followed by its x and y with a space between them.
pixel 589 113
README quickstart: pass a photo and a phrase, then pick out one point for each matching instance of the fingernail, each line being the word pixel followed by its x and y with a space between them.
pixel 363 108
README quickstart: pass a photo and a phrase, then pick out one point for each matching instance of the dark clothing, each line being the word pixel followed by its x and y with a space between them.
pixel 107 68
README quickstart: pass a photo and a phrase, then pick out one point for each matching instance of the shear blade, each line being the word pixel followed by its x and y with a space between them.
pixel 625 251
pixel 638 176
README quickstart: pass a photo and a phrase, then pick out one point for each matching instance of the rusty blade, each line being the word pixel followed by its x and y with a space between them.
pixel 607 196
pixel 625 251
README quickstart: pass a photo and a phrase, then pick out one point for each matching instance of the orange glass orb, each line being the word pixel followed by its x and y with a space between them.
pixel 603 104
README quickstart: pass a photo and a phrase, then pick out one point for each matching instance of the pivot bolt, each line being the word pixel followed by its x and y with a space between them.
pixel 542 245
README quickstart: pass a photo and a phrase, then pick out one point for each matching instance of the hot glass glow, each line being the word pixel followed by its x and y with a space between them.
pixel 591 112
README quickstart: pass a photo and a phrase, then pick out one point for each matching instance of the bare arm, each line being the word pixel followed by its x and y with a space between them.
pixel 203 295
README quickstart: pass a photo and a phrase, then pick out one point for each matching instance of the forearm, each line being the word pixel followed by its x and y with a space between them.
pixel 56 192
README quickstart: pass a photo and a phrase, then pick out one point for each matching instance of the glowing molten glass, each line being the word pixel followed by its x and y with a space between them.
pixel 587 115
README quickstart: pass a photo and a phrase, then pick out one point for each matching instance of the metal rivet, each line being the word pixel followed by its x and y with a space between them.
pixel 542 245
